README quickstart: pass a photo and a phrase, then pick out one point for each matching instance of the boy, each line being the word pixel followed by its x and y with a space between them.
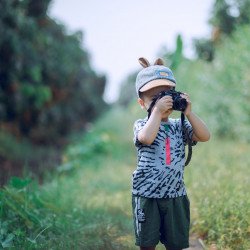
pixel 159 198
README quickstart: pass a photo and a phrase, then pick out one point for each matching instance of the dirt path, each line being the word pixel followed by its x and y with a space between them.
pixel 195 244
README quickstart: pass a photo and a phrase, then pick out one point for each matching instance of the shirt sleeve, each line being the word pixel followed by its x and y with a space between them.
pixel 138 125
pixel 188 133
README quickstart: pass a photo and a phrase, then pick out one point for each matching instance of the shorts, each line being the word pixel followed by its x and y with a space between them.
pixel 161 219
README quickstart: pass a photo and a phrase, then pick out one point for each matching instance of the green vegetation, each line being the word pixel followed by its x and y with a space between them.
pixel 217 185
pixel 48 88
pixel 85 202
pixel 222 88
pixel 87 205
pixel 76 209
pixel 46 80
pixel 225 19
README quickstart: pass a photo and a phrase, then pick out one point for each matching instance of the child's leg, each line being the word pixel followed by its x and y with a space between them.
pixel 175 227
pixel 146 222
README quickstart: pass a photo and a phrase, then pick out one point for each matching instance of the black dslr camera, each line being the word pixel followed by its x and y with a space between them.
pixel 179 103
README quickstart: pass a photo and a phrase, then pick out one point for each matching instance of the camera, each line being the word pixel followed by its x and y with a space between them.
pixel 179 103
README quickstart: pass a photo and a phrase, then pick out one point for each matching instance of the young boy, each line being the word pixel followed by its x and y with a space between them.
pixel 159 198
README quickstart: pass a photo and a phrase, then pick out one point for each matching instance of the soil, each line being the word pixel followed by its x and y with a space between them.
pixel 195 244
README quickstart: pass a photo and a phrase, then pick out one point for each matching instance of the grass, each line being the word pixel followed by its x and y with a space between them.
pixel 16 157
pixel 218 187
pixel 87 205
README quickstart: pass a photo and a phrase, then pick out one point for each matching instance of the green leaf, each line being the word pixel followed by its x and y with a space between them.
pixel 8 241
pixel 43 95
pixel 19 183
pixel 35 73
pixel 28 90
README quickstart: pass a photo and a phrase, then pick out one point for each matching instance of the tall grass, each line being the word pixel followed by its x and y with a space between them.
pixel 79 208
pixel 87 205
pixel 218 183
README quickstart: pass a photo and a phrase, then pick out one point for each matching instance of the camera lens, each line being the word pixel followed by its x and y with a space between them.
pixel 180 104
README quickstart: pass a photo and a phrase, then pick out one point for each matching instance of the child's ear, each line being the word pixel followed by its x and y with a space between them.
pixel 141 102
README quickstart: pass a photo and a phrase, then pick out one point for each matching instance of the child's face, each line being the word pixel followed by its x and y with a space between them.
pixel 148 96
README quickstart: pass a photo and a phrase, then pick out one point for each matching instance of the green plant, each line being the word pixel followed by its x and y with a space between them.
pixel 46 81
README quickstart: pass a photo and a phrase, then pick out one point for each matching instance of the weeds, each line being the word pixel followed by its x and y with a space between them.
pixel 88 205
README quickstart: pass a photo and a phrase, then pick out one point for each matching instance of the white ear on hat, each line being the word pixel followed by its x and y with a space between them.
pixel 159 61
pixel 144 62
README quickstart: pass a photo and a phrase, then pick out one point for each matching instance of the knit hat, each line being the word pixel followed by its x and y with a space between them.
pixel 153 76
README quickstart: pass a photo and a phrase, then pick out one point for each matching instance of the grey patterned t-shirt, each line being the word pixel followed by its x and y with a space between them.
pixel 160 166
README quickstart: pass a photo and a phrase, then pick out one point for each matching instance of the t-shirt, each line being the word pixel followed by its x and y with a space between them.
pixel 160 166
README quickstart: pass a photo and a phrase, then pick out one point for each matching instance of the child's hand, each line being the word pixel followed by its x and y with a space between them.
pixel 188 108
pixel 164 106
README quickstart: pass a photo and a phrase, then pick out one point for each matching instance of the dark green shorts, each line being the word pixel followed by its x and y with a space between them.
pixel 166 220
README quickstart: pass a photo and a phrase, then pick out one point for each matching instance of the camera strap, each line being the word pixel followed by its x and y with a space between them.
pixel 152 105
pixel 184 131
pixel 189 141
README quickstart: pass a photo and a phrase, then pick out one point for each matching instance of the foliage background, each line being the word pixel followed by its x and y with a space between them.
pixel 47 84
pixel 49 94
pixel 219 90
pixel 48 89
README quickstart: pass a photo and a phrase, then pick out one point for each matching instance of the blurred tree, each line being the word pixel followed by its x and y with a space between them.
pixel 204 49
pixel 243 7
pixel 127 90
pixel 174 58
pixel 47 86
pixel 37 8
pixel 226 16
pixel 222 16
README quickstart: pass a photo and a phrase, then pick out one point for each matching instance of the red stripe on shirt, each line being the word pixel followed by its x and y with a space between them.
pixel 168 153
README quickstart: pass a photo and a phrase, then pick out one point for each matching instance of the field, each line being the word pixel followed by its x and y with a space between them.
pixel 87 203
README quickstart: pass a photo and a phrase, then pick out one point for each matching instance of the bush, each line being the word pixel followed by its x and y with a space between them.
pixel 230 87
pixel 47 86
pixel 220 91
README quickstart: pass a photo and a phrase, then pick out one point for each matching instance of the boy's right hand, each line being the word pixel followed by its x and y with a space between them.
pixel 162 109
pixel 164 106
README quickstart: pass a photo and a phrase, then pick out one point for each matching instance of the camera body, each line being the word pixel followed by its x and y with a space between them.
pixel 179 103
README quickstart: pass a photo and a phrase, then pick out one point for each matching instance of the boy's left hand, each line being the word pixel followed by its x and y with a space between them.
pixel 188 108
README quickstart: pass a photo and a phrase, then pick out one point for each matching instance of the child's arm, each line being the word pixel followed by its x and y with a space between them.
pixel 148 133
pixel 200 130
